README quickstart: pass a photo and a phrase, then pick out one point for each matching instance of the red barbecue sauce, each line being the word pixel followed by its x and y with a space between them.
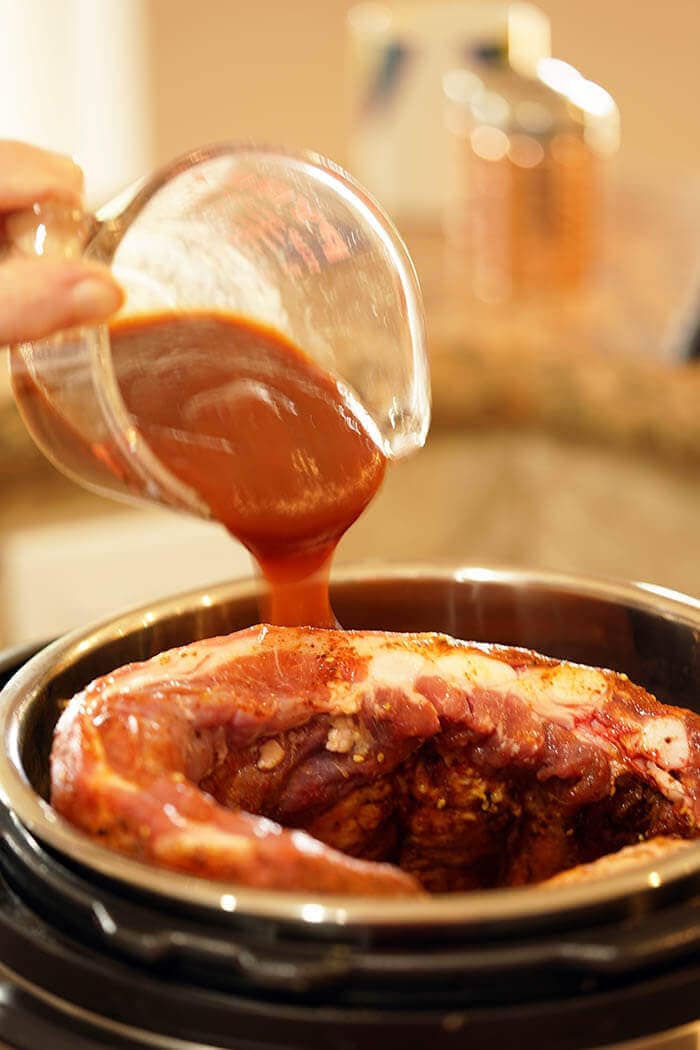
pixel 262 434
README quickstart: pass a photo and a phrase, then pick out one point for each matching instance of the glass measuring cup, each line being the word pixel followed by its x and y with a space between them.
pixel 289 241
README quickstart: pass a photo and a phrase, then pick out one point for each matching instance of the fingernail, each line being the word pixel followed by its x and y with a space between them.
pixel 93 299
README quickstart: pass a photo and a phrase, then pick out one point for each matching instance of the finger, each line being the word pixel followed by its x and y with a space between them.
pixel 29 175
pixel 42 296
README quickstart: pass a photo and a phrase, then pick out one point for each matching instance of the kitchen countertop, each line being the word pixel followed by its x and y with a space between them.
pixel 600 364
pixel 644 407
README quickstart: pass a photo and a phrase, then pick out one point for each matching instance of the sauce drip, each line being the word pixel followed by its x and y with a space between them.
pixel 265 437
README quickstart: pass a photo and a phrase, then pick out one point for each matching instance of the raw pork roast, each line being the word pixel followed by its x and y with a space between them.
pixel 374 763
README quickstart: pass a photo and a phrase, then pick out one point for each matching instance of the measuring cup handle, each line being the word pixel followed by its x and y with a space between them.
pixel 52 229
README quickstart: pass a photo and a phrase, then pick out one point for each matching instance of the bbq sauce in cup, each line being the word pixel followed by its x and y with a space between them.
pixel 270 442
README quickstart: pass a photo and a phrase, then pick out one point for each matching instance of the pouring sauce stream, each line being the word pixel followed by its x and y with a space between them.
pixel 264 435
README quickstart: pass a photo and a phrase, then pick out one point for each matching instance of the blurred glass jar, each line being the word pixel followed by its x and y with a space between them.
pixel 526 173
pixel 398 54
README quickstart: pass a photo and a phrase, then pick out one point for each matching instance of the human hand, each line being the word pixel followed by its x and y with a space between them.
pixel 44 295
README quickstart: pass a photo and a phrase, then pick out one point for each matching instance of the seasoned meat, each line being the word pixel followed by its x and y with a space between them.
pixel 372 763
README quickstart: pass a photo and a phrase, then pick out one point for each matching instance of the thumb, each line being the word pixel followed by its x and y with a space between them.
pixel 41 296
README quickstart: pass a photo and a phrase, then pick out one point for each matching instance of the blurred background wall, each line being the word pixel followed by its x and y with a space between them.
pixel 128 83
pixel 74 78
pixel 235 69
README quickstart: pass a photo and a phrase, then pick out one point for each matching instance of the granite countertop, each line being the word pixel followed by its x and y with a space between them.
pixel 640 406
pixel 599 364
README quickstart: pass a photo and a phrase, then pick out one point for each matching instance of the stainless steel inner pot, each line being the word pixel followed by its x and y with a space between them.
pixel 651 634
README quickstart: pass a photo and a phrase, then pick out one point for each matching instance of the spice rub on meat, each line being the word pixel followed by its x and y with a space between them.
pixel 373 763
